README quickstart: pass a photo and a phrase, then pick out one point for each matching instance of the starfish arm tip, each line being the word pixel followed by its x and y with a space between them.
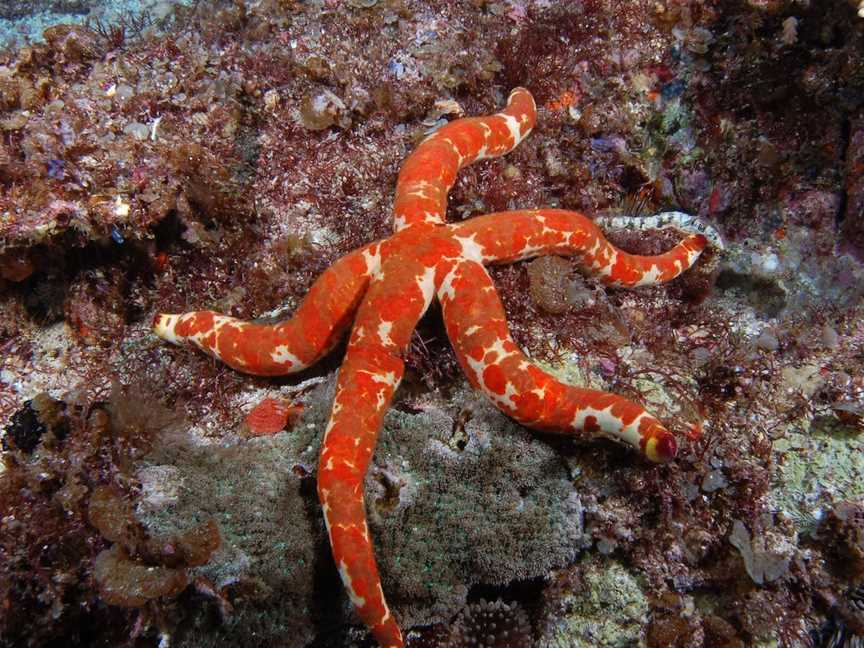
pixel 661 448
pixel 163 326
pixel 693 224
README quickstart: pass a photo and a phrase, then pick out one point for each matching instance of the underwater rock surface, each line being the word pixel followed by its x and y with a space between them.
pixel 224 156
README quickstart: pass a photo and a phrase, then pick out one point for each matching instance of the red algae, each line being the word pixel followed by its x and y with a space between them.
pixel 270 416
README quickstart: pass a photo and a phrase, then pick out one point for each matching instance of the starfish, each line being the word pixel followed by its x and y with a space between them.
pixel 386 286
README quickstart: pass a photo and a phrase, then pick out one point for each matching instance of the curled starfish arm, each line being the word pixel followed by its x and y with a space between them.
pixel 477 328
pixel 430 171
pixel 286 347
pixel 663 220
pixel 367 379
pixel 510 236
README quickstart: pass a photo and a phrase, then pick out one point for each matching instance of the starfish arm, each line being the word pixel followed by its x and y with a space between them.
pixel 290 346
pixel 663 220
pixel 430 171
pixel 367 380
pixel 477 328
pixel 510 236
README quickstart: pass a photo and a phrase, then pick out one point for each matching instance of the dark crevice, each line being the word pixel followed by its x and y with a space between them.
pixel 845 136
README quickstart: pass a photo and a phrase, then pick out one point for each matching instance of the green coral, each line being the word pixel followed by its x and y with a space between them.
pixel 255 495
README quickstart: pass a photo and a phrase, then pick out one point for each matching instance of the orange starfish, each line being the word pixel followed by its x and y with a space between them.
pixel 386 286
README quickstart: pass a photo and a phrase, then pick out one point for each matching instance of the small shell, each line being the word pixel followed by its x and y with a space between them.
pixel 270 416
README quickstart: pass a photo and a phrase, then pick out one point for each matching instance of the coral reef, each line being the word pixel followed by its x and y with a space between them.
pixel 25 21
pixel 225 157
pixel 63 496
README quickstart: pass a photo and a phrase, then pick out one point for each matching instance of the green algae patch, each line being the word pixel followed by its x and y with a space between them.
pixel 817 469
